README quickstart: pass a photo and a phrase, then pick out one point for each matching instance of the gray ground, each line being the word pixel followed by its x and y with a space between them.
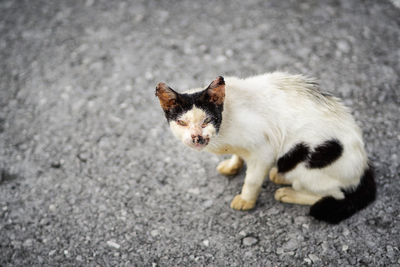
pixel 90 174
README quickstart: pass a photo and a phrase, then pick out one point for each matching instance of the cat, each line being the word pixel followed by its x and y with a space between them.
pixel 282 125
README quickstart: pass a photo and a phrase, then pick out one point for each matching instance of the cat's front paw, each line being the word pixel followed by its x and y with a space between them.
pixel 276 177
pixel 238 203
pixel 227 168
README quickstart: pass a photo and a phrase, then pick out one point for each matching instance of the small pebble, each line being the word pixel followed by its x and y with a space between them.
pixel 346 232
pixel 290 245
pixel 208 203
pixel 148 75
pixel 272 211
pixel 390 252
pixel 313 257
pixel 154 233
pixel 113 244
pixel 56 164
pixel 249 241
pixel 248 254
pixel 221 59
pixel 83 156
pixel 300 220
pixel 28 243
pixel 343 46
pixel 194 191
pixel 229 52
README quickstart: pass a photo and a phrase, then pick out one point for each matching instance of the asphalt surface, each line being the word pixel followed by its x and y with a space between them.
pixel 91 175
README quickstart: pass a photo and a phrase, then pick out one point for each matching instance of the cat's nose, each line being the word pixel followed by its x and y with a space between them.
pixel 198 139
pixel 201 140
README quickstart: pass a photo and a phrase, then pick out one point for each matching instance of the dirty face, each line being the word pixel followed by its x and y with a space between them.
pixel 193 118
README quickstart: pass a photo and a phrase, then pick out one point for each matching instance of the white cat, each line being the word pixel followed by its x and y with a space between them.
pixel 283 125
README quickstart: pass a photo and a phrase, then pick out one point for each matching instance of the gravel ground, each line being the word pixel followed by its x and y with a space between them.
pixel 91 175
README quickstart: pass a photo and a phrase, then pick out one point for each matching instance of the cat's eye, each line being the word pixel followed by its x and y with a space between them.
pixel 181 123
pixel 206 122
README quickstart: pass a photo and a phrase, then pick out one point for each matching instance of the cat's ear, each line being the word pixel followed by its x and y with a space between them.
pixel 168 97
pixel 216 91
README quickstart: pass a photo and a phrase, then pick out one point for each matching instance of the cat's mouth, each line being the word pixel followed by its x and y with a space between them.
pixel 199 142
pixel 199 146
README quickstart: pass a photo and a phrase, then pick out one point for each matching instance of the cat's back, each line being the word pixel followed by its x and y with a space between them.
pixel 270 84
pixel 249 91
pixel 281 88
pixel 293 103
pixel 281 82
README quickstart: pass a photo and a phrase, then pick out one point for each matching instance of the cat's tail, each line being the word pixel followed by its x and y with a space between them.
pixel 333 210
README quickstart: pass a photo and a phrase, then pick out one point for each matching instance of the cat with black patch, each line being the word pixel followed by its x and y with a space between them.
pixel 281 125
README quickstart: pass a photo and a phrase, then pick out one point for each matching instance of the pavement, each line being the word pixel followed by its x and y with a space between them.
pixel 92 176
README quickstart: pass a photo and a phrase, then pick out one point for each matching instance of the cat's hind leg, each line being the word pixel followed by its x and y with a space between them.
pixel 277 177
pixel 289 195
pixel 230 166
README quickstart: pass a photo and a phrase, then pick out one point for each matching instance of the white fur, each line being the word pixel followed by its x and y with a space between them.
pixel 265 116
pixel 194 119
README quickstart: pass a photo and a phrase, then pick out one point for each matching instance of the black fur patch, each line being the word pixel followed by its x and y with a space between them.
pixel 333 211
pixel 296 155
pixel 185 102
pixel 325 154
pixel 321 156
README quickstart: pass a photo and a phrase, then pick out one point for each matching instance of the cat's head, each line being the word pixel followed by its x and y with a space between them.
pixel 194 118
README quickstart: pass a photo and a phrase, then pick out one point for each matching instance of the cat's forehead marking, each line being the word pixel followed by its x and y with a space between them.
pixel 194 115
